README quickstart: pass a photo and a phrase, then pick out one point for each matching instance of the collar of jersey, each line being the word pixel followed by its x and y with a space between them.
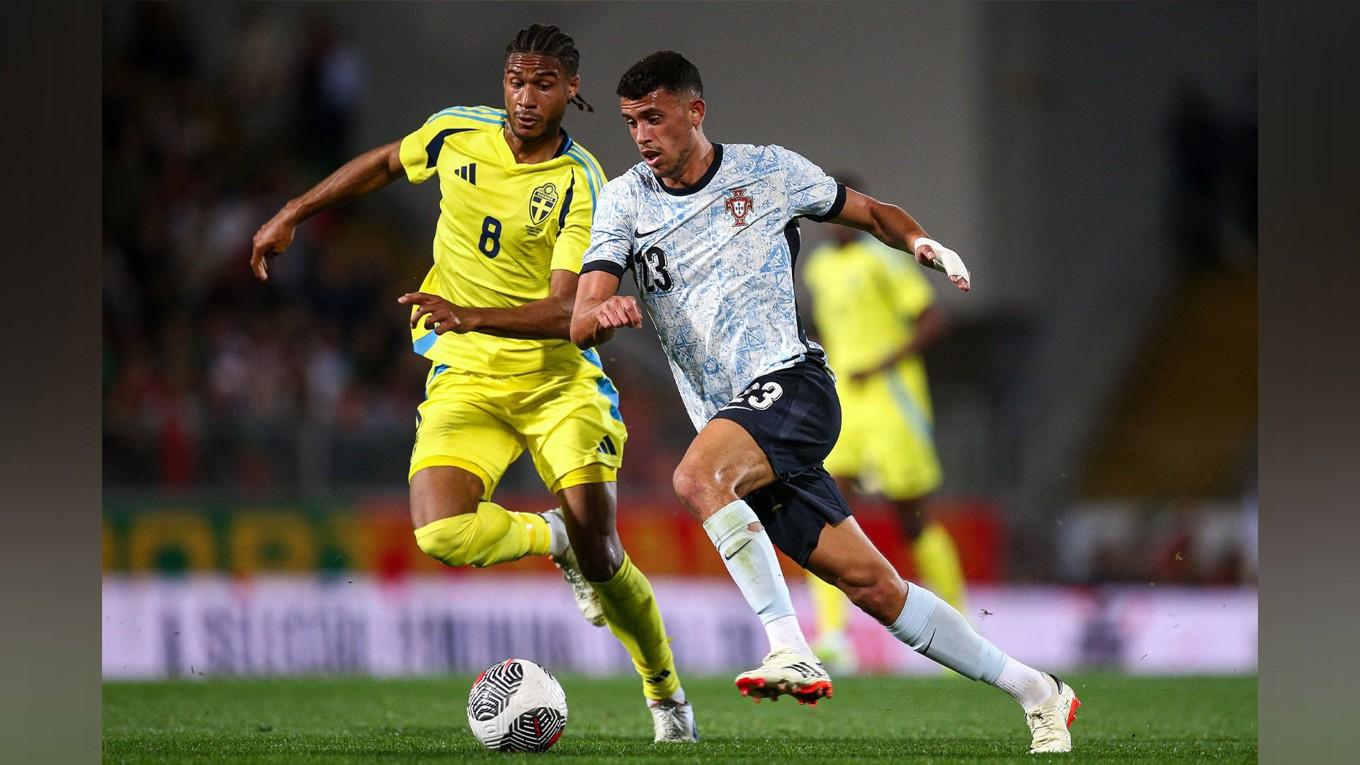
pixel 702 182
pixel 508 156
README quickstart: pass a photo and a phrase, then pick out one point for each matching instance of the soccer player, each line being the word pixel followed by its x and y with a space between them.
pixel 876 314
pixel 493 316
pixel 710 233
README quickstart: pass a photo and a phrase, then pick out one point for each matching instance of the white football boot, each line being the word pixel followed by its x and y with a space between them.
pixel 585 596
pixel 1050 720
pixel 785 672
pixel 673 721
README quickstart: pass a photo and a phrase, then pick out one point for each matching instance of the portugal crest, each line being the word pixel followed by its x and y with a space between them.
pixel 541 203
pixel 739 205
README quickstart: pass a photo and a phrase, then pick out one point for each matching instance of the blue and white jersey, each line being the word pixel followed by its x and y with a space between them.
pixel 713 264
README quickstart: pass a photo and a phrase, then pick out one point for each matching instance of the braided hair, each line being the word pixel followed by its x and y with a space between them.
pixel 548 40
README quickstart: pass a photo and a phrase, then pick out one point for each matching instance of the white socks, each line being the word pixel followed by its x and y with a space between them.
pixel 751 562
pixel 1025 684
pixel 934 629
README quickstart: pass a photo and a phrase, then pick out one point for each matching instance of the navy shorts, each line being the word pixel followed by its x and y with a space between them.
pixel 795 417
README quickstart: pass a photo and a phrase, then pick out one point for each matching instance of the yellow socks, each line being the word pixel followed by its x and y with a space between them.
pixel 495 535
pixel 631 612
pixel 937 561
pixel 489 536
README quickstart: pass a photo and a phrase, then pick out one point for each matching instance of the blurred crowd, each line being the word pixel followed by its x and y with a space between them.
pixel 202 365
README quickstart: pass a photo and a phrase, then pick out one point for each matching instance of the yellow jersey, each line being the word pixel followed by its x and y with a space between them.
pixel 503 228
pixel 866 297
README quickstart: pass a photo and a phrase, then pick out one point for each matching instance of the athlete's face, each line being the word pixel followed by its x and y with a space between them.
pixel 537 91
pixel 665 128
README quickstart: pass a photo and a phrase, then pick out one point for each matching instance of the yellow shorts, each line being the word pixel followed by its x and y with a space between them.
pixel 567 417
pixel 887 441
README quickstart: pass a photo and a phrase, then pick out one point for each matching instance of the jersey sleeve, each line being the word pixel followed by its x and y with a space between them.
pixel 811 192
pixel 611 238
pixel 420 149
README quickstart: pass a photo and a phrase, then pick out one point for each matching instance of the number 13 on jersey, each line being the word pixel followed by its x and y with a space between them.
pixel 651 270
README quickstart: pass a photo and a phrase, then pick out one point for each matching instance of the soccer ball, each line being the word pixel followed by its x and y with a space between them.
pixel 517 706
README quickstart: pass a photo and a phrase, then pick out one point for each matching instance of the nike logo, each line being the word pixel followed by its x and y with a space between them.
pixel 641 234
pixel 739 549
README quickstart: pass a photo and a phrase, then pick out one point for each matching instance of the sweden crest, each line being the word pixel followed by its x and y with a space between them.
pixel 541 203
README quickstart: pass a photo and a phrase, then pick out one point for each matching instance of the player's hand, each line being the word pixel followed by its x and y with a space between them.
pixel 270 241
pixel 437 313
pixel 619 311
pixel 932 254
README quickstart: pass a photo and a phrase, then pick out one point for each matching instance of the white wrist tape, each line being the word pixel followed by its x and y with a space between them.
pixel 946 260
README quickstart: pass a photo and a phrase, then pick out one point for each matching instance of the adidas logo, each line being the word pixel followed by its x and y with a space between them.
pixel 607 447
pixel 468 173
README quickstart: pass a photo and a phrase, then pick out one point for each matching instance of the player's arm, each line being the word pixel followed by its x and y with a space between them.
pixel 362 175
pixel 896 228
pixel 546 319
pixel 600 309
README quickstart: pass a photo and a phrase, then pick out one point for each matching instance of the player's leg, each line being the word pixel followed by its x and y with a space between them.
pixel 733 479
pixel 722 465
pixel 461 451
pixel 576 437
pixel 914 615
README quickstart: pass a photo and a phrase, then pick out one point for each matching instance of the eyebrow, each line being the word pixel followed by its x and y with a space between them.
pixel 537 72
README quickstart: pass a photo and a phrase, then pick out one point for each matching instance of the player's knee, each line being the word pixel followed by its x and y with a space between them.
pixel 449 542
pixel 692 485
pixel 881 596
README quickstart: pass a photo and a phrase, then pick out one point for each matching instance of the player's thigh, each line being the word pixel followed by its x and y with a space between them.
pixel 443 491
pixel 724 456
pixel 570 422
pixel 460 425
pixel 786 422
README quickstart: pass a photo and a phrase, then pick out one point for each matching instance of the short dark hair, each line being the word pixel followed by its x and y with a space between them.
pixel 664 69
pixel 548 40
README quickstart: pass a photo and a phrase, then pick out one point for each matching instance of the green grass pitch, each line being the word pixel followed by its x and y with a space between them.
pixel 871 719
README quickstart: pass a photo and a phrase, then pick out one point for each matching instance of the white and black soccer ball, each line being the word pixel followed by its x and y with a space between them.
pixel 517 706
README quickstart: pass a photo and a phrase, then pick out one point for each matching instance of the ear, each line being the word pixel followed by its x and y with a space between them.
pixel 573 85
pixel 697 107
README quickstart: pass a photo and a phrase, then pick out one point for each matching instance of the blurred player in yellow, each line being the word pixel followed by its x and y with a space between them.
pixel 875 313
pixel 493 316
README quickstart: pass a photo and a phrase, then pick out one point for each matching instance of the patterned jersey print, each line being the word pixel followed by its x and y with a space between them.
pixel 713 263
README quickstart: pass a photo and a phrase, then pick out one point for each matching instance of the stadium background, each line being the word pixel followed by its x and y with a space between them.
pixel 1096 399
